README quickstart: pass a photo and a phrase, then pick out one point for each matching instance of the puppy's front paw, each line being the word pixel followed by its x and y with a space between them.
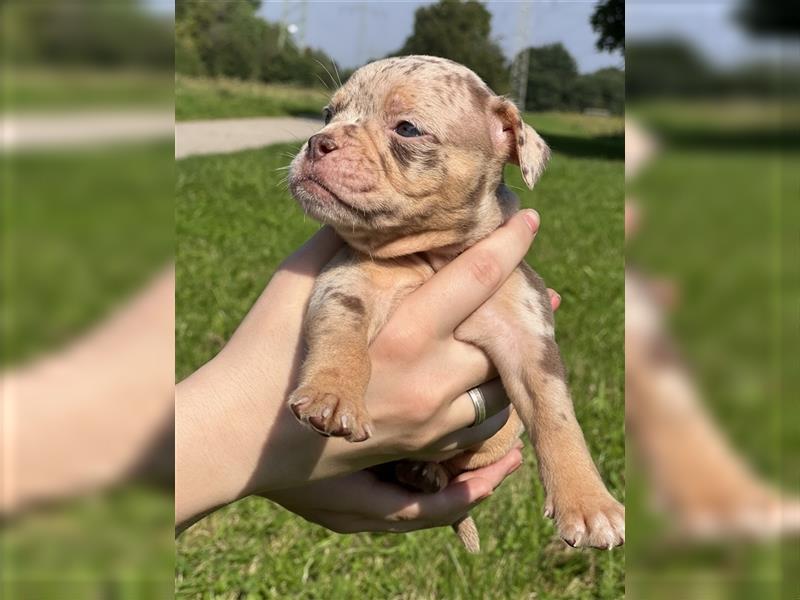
pixel 596 520
pixel 331 413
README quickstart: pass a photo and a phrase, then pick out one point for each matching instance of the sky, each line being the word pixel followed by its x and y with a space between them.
pixel 353 32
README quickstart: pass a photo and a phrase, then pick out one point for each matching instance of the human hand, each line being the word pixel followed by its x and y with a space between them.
pixel 363 502
pixel 235 436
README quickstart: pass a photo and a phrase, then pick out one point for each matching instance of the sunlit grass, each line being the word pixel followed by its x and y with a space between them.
pixel 28 90
pixel 205 98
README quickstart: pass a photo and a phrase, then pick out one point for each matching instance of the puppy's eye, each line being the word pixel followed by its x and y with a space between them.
pixel 407 129
pixel 327 115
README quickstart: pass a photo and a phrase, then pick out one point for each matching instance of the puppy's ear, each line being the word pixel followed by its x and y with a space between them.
pixel 522 145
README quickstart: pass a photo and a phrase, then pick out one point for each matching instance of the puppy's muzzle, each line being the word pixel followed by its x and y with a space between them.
pixel 319 145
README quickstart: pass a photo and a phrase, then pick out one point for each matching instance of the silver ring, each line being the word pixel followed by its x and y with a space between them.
pixel 479 404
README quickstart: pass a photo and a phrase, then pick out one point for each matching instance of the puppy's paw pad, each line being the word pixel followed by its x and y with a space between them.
pixel 331 414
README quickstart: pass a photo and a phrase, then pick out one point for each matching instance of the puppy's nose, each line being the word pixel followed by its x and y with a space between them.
pixel 319 145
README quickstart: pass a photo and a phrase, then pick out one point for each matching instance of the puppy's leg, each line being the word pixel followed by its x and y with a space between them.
pixel 515 328
pixel 330 397
pixel 432 477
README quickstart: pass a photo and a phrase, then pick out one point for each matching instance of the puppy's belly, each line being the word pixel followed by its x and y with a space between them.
pixel 491 450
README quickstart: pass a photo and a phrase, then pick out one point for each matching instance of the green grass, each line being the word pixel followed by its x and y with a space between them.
pixel 577 124
pixel 117 545
pixel 235 222
pixel 202 98
pixel 42 90
pixel 82 230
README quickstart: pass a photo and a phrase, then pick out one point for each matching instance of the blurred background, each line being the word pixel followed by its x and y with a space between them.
pixel 713 91
pixel 87 300
pixel 546 54
pixel 89 189
pixel 252 78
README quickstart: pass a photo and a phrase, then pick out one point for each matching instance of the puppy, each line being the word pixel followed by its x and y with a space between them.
pixel 409 171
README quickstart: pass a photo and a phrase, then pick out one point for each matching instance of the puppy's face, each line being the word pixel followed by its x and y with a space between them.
pixel 411 157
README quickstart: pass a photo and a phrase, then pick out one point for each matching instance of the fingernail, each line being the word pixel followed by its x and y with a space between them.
pixel 532 219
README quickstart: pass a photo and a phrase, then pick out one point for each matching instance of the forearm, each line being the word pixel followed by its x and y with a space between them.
pixel 80 419
pixel 236 437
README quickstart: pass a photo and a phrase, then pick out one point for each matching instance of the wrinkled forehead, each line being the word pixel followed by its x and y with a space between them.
pixel 434 90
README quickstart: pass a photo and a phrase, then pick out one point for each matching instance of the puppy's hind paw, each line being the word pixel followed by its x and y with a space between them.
pixel 428 477
pixel 330 414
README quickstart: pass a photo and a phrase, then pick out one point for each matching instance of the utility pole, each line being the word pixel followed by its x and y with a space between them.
pixel 301 33
pixel 284 24
pixel 519 68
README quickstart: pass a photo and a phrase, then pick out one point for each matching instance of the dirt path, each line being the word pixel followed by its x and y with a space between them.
pixel 231 135
pixel 191 137
pixel 61 130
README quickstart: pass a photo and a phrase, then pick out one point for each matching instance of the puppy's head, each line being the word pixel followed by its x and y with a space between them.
pixel 411 158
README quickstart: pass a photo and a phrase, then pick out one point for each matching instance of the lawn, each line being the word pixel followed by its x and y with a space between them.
pixel 101 218
pixel 36 90
pixel 203 98
pixel 235 223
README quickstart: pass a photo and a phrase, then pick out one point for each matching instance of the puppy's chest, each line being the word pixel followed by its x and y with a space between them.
pixel 379 285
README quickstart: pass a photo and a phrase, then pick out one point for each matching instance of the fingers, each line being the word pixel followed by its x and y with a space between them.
pixel 500 469
pixel 362 502
pixel 453 502
pixel 555 298
pixel 464 284
pixel 467 437
pixel 462 410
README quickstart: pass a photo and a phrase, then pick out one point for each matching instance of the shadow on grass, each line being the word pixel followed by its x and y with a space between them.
pixel 306 114
pixel 754 140
pixel 609 147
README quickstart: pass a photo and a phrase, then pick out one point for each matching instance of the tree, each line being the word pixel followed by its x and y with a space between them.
pixel 228 38
pixel 608 21
pixel 604 89
pixel 552 73
pixel 85 32
pixel 187 58
pixel 666 67
pixel 770 17
pixel 460 31
pixel 226 35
